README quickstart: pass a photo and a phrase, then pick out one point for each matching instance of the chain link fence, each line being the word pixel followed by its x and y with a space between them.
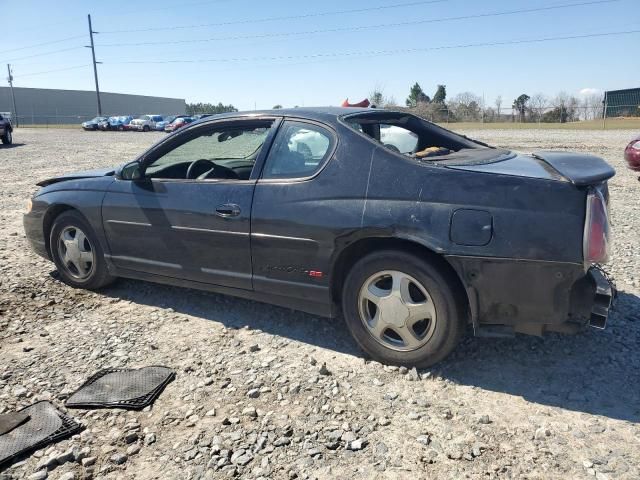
pixel 588 116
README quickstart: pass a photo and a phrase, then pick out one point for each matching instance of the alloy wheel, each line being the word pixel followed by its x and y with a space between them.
pixel 76 252
pixel 397 310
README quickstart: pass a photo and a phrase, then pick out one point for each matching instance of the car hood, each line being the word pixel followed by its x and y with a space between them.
pixel 101 172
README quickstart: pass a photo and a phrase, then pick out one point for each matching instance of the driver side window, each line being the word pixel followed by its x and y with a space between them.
pixel 226 152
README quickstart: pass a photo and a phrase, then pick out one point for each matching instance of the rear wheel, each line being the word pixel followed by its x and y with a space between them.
pixel 7 138
pixel 77 253
pixel 401 309
pixel 146 128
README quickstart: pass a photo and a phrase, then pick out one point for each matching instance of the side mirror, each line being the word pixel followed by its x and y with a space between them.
pixel 130 171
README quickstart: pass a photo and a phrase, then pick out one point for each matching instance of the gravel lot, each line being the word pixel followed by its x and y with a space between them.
pixel 252 399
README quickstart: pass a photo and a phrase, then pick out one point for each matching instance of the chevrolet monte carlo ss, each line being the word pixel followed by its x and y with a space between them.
pixel 407 230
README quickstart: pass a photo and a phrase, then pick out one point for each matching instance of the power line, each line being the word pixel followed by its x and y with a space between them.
pixel 374 53
pixel 43 43
pixel 273 19
pixel 363 27
pixel 51 71
pixel 44 54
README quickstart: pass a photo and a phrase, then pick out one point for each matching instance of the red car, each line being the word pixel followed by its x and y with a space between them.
pixel 179 122
pixel 632 154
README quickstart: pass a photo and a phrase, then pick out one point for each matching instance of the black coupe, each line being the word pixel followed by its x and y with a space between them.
pixel 408 230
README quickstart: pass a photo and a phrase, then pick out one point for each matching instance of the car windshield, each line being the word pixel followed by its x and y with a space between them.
pixel 142 117
pixel 97 119
pixel 170 118
pixel 113 119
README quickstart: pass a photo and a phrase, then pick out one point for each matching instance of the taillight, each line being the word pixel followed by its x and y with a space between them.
pixel 596 230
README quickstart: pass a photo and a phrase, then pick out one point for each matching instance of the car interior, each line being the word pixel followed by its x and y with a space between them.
pixel 409 135
pixel 227 154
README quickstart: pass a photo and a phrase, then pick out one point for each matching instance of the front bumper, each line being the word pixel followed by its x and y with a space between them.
pixel 33 229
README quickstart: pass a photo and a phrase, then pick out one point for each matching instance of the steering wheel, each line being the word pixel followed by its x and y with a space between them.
pixel 208 166
pixel 224 172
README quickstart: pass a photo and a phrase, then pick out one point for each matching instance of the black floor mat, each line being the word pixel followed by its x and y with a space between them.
pixel 46 424
pixel 122 388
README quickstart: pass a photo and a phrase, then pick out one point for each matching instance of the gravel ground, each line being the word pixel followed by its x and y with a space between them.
pixel 265 392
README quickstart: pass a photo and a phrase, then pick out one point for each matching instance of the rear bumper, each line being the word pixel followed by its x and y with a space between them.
pixel 605 293
pixel 534 296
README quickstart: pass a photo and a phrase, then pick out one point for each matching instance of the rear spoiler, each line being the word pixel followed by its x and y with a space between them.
pixel 580 169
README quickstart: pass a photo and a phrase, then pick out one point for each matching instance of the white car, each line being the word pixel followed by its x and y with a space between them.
pixel 145 123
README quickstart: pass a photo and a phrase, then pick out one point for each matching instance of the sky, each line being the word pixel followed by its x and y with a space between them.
pixel 256 54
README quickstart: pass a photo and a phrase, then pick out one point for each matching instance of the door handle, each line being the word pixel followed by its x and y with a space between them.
pixel 228 210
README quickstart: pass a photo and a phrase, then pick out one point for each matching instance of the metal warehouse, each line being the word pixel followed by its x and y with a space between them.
pixel 48 106
pixel 622 103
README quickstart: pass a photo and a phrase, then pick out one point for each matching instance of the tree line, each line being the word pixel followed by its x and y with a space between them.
pixel 467 106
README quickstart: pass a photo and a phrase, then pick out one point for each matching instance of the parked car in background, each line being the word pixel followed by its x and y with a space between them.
pixel 6 131
pixel 632 155
pixel 178 123
pixel 410 248
pixel 166 121
pixel 119 123
pixel 93 123
pixel 145 123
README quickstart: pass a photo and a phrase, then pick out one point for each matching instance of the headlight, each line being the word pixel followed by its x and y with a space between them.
pixel 29 205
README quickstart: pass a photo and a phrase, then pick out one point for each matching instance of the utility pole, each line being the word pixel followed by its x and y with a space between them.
pixel 13 96
pixel 95 68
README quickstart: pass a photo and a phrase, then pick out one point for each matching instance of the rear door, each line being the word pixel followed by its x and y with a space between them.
pixel 182 222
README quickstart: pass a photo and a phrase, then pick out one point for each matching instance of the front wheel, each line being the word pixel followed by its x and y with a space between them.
pixel 401 309
pixel 7 138
pixel 146 128
pixel 77 253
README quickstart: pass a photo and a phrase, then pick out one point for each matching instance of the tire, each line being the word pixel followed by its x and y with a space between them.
pixel 428 291
pixel 65 237
pixel 146 128
pixel 120 128
pixel 7 138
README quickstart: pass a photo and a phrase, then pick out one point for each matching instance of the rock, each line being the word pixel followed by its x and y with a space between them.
pixel 133 450
pixel 89 461
pixel 454 454
pixel 324 370
pixel 210 413
pixel 413 375
pixel 380 449
pixel 250 412
pixel 67 476
pixel 20 392
pixel 390 395
pixel 484 419
pixel 541 433
pixel 282 441
pixel 81 454
pixel 423 439
pixel 384 421
pixel 357 444
pixel 39 475
pixel 149 438
pixel 254 348
pixel 253 393
pixel 118 458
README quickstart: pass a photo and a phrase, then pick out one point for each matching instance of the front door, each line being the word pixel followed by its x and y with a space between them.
pixel 188 216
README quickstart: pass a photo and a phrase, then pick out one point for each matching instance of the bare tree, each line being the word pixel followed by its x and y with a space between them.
pixel 498 104
pixel 466 106
pixel 538 103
